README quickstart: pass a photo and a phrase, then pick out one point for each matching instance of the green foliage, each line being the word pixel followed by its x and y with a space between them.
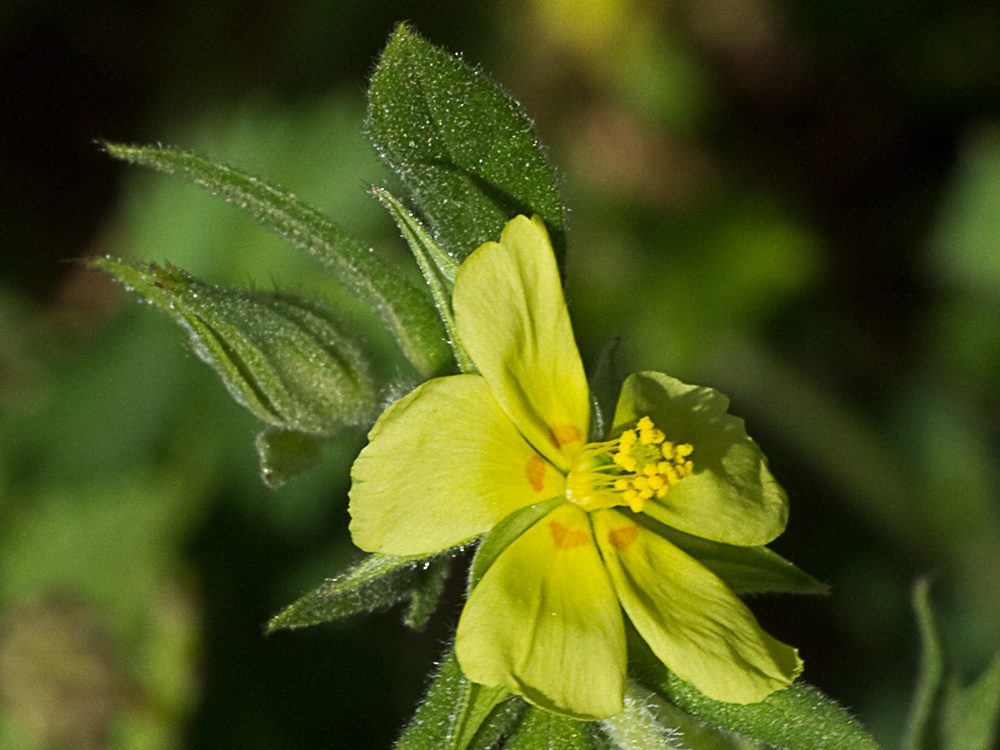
pixel 405 311
pixel 457 714
pixel 377 582
pixel 505 532
pixel 458 144
pixel 285 454
pixel 746 570
pixel 605 381
pixel 797 718
pixel 463 148
pixel 970 715
pixel 286 359
pixel 641 727
pixel 439 269
pixel 944 715
pixel 542 730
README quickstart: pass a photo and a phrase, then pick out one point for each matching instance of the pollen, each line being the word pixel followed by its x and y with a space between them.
pixel 640 465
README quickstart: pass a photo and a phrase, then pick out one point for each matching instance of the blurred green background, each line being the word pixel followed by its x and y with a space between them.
pixel 797 203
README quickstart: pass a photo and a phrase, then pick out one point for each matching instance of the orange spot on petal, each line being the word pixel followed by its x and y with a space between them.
pixel 567 538
pixel 624 537
pixel 564 434
pixel 535 470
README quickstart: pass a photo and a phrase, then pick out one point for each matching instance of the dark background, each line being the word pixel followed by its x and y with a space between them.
pixel 796 203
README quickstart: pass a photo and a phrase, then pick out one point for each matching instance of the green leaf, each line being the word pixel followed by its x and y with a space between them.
pixel 405 310
pixel 970 715
pixel 945 714
pixel 746 570
pixel 544 730
pixel 797 718
pixel 284 454
pixel 929 676
pixel 457 714
pixel 286 359
pixel 499 724
pixel 439 270
pixel 505 532
pixel 377 582
pixel 427 592
pixel 463 148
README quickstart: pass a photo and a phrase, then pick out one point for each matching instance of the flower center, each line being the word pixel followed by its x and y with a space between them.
pixel 639 465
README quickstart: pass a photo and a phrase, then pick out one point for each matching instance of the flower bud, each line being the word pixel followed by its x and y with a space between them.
pixel 283 357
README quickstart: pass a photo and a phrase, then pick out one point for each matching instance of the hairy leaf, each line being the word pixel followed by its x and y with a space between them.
pixel 463 148
pixel 377 582
pixel 543 730
pixel 797 718
pixel 457 714
pixel 287 359
pixel 404 309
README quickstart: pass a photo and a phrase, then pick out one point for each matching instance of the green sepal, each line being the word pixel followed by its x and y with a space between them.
pixel 464 149
pixel 377 582
pixel 745 570
pixel 544 730
pixel 439 269
pixel 505 532
pixel 287 359
pixel 799 717
pixel 647 721
pixel 405 310
pixel 457 714
pixel 427 591
pixel 285 454
pixel 605 384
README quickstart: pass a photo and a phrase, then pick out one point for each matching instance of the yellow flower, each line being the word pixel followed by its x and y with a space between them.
pixel 585 527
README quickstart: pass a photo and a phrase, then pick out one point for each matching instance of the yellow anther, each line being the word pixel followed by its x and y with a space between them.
pixel 638 465
pixel 651 437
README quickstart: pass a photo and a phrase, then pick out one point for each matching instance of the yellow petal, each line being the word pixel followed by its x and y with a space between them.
pixel 513 321
pixel 443 464
pixel 690 619
pixel 544 622
pixel 732 496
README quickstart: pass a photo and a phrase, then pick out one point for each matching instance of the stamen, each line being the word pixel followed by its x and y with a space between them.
pixel 637 466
